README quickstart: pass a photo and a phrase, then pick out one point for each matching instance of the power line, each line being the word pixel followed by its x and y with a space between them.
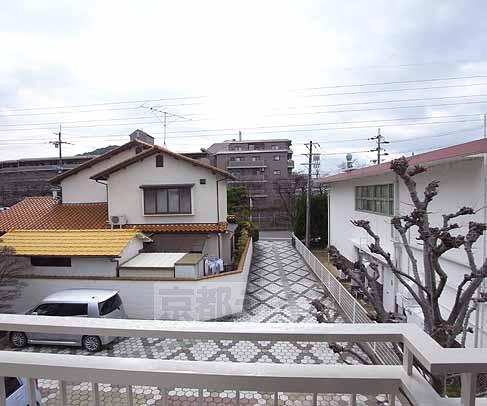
pixel 265 115
pixel 394 90
pixel 103 104
pixel 327 123
pixel 118 102
pixel 396 82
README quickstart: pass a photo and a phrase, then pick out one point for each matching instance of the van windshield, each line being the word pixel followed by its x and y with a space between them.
pixel 109 305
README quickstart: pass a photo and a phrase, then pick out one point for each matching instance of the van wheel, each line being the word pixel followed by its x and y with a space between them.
pixel 91 343
pixel 18 339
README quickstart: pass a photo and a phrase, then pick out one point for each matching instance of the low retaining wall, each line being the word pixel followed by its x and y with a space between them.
pixel 208 298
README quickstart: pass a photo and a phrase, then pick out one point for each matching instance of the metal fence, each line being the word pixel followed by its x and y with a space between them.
pixel 352 309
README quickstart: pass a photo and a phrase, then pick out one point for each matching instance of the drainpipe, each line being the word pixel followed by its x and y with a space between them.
pixel 218 215
pixel 328 193
pixel 395 239
pixel 106 190
pixel 480 313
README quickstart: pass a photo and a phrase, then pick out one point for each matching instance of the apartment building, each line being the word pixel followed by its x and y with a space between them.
pixel 258 165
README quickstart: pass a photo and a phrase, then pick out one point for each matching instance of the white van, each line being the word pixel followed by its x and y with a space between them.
pixel 73 303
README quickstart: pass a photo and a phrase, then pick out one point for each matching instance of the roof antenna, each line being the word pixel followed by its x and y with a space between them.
pixel 164 120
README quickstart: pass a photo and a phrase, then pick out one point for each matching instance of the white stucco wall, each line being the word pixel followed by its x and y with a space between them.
pixel 80 266
pixel 131 250
pixel 125 197
pixel 205 299
pixel 460 185
pixel 79 188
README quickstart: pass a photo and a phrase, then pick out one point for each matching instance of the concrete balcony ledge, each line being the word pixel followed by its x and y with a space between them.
pixel 395 380
pixel 247 164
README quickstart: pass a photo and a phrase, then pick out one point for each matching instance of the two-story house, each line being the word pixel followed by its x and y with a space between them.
pixel 376 194
pixel 137 213
pixel 257 165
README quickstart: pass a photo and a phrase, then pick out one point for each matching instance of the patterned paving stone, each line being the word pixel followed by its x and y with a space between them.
pixel 279 290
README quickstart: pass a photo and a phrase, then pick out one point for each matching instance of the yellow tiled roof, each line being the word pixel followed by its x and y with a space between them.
pixel 68 242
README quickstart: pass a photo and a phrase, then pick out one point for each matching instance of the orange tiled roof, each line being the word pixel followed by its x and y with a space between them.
pixel 74 216
pixel 182 227
pixel 46 213
pixel 25 213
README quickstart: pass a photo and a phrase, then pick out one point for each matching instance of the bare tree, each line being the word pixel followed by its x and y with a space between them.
pixel 329 313
pixel 11 267
pixel 426 284
pixel 289 189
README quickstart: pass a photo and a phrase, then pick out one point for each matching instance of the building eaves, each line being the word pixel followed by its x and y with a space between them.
pixel 456 151
pixel 103 175
pixel 100 158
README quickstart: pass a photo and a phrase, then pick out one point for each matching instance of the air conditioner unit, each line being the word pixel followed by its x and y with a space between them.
pixel 118 220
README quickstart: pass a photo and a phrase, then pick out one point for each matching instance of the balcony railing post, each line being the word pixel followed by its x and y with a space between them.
pixel 63 394
pixel 469 388
pixel 164 396
pixel 353 399
pixel 407 360
pixel 130 396
pixel 3 395
pixel 200 397
pixel 96 393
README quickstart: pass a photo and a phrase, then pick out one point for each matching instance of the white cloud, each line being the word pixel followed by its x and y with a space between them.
pixel 247 57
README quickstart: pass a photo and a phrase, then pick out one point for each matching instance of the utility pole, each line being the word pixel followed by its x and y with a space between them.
pixel 311 158
pixel 58 144
pixel 379 149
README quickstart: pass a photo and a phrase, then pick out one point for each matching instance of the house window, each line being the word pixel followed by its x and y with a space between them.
pixel 167 200
pixel 274 147
pixel 255 158
pixel 159 161
pixel 277 158
pixel 276 172
pixel 238 158
pixel 375 199
pixel 50 261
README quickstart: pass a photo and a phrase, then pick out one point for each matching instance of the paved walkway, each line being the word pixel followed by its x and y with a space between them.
pixel 279 290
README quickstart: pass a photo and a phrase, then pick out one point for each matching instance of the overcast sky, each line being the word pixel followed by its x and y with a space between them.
pixel 274 69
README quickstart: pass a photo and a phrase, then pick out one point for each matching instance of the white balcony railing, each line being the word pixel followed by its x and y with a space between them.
pixel 398 381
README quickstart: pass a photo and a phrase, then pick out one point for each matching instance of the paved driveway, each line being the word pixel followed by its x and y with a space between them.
pixel 279 290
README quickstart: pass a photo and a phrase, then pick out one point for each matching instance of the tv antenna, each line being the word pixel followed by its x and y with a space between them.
pixel 164 120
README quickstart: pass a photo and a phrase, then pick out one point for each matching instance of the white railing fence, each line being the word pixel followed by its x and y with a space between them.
pixel 352 309
pixel 397 381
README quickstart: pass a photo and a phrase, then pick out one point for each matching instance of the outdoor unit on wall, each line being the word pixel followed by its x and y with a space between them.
pixel 118 220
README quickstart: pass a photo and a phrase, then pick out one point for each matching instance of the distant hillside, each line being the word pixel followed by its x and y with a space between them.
pixel 99 151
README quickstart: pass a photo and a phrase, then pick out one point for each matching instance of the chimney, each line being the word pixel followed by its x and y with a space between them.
pixel 240 135
pixel 140 135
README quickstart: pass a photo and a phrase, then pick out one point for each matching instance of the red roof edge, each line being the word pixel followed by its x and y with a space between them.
pixel 103 175
pixel 55 180
pixel 460 150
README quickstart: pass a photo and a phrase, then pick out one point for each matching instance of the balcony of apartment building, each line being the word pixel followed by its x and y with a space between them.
pixel 290 163
pixel 246 163
pixel 239 380
pixel 249 178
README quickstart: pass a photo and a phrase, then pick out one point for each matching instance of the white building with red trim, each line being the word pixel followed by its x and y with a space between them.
pixel 376 194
